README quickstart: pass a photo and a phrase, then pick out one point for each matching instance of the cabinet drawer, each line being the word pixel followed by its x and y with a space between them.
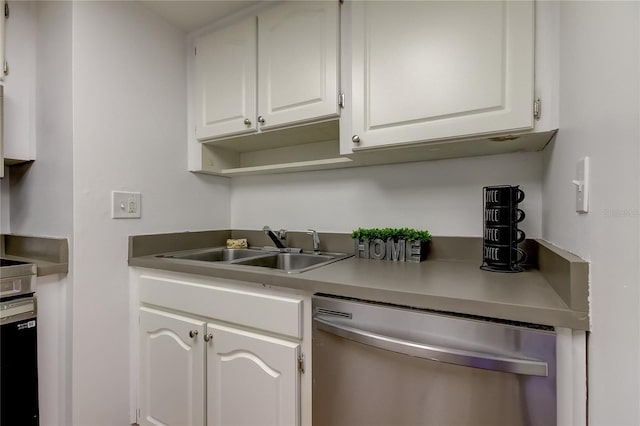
pixel 277 314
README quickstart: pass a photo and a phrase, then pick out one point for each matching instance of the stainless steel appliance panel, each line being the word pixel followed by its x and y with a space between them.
pixel 16 278
pixel 380 365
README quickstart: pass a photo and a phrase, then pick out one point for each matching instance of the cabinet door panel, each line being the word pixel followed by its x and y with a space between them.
pixel 2 6
pixel 251 379
pixel 171 369
pixel 429 70
pixel 297 62
pixel 19 126
pixel 226 81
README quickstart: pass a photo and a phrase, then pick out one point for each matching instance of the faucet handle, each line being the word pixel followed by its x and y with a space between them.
pixel 316 239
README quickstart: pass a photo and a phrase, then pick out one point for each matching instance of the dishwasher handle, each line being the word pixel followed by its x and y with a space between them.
pixel 461 357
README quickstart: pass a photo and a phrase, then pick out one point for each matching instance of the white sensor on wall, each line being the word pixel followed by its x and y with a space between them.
pixel 582 185
pixel 125 205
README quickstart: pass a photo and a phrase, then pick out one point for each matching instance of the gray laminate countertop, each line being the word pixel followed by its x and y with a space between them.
pixel 555 293
pixel 50 255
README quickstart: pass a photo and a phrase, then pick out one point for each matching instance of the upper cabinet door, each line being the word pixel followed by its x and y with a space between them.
pixel 2 19
pixel 298 62
pixel 225 67
pixel 433 70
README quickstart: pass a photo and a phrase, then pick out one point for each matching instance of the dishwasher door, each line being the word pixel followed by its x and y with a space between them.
pixel 384 365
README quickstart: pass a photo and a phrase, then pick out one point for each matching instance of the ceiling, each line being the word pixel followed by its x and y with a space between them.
pixel 189 15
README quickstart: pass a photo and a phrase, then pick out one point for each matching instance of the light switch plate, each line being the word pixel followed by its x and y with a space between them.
pixel 582 185
pixel 125 205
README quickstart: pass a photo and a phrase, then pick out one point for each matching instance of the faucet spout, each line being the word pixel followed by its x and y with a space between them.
pixel 277 240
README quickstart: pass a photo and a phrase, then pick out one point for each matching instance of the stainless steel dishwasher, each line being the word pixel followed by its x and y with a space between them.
pixel 377 364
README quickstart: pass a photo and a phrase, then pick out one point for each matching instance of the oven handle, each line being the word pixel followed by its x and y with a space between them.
pixel 527 367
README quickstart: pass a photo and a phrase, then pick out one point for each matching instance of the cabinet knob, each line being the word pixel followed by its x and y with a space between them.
pixel 208 337
pixel 247 122
pixel 260 119
pixel 355 139
pixel 193 333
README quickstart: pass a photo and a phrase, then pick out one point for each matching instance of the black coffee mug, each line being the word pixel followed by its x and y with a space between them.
pixel 503 235
pixel 503 216
pixel 503 255
pixel 503 195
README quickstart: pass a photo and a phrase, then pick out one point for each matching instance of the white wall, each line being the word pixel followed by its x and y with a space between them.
pixel 444 196
pixel 41 193
pixel 129 97
pixel 600 118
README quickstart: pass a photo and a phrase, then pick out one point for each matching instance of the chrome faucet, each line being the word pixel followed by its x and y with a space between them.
pixel 278 240
pixel 316 240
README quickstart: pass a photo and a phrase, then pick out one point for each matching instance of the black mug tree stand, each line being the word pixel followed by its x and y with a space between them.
pixel 511 262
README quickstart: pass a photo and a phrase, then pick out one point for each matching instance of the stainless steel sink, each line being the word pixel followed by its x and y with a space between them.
pixel 216 254
pixel 290 263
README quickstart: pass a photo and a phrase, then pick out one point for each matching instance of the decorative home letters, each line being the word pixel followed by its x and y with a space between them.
pixel 411 251
pixel 396 251
pixel 377 249
pixel 362 249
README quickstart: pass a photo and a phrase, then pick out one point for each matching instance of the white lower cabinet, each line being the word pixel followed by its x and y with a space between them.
pixel 217 354
pixel 172 373
pixel 252 379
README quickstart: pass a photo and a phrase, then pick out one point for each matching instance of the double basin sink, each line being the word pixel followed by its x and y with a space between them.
pixel 282 261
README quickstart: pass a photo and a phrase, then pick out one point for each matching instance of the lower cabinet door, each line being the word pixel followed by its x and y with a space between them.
pixel 172 369
pixel 252 379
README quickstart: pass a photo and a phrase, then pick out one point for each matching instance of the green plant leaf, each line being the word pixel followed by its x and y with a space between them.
pixel 385 234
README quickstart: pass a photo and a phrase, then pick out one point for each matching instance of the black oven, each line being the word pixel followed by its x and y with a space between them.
pixel 18 344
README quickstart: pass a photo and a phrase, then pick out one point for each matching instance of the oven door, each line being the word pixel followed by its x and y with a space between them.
pixel 18 362
pixel 381 365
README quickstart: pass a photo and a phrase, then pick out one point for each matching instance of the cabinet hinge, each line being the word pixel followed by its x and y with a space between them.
pixel 301 362
pixel 6 9
pixel 341 99
pixel 537 109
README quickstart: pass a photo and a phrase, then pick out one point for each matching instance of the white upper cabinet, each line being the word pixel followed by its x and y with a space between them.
pixel 225 66
pixel 19 129
pixel 2 24
pixel 273 69
pixel 298 62
pixel 436 70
